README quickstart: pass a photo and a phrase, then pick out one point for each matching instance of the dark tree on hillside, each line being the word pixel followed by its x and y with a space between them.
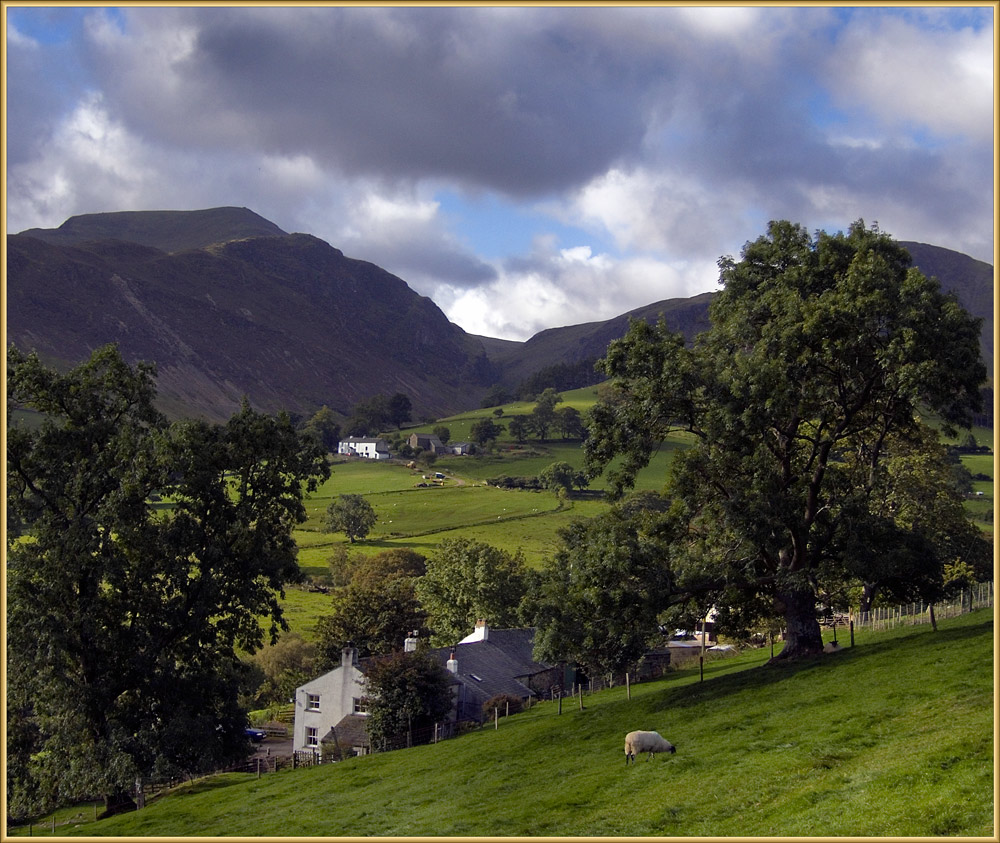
pixel 820 350
pixel 400 408
pixel 496 396
pixel 125 620
pixel 517 426
pixel 405 693
pixel 324 428
pixel 485 431
pixel 543 416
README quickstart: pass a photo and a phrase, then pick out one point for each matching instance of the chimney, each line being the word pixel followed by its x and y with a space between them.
pixel 452 663
pixel 348 656
pixel 482 630
pixel 411 641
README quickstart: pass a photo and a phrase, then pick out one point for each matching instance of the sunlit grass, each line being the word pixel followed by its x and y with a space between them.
pixel 893 737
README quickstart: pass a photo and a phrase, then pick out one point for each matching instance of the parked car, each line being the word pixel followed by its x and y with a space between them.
pixel 256 735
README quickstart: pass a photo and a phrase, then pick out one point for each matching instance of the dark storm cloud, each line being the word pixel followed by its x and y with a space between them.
pixel 400 93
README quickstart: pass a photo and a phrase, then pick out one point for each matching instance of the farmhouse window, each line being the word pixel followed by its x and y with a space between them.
pixel 359 706
pixel 312 702
pixel 312 736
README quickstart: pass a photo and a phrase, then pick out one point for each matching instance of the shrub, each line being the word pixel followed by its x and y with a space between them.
pixel 500 703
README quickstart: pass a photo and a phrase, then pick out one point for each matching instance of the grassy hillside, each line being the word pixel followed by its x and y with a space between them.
pixel 893 737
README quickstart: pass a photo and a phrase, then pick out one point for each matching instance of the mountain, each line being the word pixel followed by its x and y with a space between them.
pixel 971 280
pixel 227 304
pixel 589 341
pixel 169 231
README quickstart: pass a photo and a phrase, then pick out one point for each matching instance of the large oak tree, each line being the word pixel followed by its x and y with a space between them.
pixel 821 351
pixel 143 560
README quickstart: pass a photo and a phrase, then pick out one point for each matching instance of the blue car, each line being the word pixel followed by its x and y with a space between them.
pixel 256 735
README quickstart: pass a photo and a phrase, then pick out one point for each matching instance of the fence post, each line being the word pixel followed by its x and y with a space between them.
pixel 628 687
pixel 581 696
pixel 852 632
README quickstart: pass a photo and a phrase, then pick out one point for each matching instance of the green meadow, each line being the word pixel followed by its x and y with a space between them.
pixel 463 506
pixel 891 737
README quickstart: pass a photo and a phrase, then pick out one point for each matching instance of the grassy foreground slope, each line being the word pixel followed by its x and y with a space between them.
pixel 891 737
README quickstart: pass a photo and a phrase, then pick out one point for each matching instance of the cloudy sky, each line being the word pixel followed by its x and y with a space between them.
pixel 525 167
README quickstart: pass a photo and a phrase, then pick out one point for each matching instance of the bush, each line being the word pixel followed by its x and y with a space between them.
pixel 500 703
pixel 506 482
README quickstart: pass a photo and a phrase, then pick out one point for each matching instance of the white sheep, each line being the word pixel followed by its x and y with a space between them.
pixel 639 742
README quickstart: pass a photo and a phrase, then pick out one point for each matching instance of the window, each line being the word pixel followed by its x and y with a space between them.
pixel 359 706
pixel 312 702
pixel 312 736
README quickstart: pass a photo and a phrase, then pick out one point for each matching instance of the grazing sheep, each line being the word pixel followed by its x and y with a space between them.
pixel 639 742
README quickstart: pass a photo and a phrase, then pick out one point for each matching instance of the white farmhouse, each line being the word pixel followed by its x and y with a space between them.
pixel 329 704
pixel 357 446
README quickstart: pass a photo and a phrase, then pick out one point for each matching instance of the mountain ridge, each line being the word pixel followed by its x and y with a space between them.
pixel 228 304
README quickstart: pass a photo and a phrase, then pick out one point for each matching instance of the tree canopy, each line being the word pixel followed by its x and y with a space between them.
pixel 467 581
pixel 598 599
pixel 404 693
pixel 125 617
pixel 821 351
pixel 351 515
pixel 376 610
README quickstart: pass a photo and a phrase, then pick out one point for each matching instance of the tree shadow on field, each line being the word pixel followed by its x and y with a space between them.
pixel 771 673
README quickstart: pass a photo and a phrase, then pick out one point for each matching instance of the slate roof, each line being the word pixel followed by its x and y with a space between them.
pixel 494 666
pixel 348 733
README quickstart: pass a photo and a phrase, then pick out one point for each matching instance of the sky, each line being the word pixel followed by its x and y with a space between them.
pixel 526 167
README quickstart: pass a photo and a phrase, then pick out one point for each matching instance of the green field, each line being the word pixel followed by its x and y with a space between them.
pixel 462 506
pixel 893 737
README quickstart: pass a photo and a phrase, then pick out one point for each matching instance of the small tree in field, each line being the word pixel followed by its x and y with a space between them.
pixel 352 515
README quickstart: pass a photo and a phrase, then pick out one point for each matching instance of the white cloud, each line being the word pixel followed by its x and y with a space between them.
pixel 557 287
pixel 91 163
pixel 938 79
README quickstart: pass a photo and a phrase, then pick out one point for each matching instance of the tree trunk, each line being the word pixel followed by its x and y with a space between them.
pixel 868 592
pixel 802 633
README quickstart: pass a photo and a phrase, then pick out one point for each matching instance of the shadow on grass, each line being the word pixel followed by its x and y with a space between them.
pixel 212 782
pixel 771 673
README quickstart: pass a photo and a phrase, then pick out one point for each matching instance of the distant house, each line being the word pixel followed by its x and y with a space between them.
pixel 373 449
pixel 426 442
pixel 458 448
pixel 332 703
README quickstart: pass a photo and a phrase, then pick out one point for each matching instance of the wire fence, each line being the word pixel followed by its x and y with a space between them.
pixel 979 596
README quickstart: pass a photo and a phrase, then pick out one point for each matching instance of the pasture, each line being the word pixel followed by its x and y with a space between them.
pixel 893 737
pixel 462 506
